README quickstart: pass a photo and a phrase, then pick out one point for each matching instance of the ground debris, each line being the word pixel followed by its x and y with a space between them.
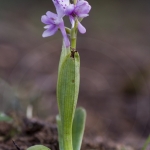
pixel 35 131
pixel 98 143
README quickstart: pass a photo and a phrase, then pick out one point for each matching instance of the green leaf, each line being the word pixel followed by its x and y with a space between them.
pixel 60 136
pixel 67 94
pixel 5 118
pixel 38 147
pixel 147 142
pixel 78 128
pixel 65 51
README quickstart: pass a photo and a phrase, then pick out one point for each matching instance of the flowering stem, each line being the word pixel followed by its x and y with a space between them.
pixel 74 37
pixel 73 40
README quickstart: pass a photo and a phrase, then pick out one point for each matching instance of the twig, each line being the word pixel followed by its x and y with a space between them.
pixel 16 145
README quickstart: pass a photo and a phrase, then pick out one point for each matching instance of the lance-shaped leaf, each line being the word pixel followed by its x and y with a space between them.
pixel 78 128
pixel 67 94
pixel 65 51
pixel 38 147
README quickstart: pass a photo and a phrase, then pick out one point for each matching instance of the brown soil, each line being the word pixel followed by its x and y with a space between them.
pixel 28 132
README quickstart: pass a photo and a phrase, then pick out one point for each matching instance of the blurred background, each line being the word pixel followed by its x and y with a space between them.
pixel 115 65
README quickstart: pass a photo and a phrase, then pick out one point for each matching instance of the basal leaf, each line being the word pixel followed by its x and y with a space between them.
pixel 67 94
pixel 38 147
pixel 78 128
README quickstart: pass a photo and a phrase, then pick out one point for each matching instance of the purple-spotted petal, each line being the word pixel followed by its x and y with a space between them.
pixel 81 28
pixel 61 6
pixel 62 2
pixel 50 31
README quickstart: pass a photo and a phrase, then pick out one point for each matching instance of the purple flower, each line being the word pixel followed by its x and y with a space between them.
pixel 53 23
pixel 79 10
pixel 63 7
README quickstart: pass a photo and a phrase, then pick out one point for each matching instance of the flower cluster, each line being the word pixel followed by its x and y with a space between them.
pixel 76 12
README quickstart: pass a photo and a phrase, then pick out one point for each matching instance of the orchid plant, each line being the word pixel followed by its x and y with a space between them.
pixel 70 120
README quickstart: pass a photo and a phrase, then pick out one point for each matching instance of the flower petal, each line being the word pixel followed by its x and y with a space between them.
pixel 51 14
pixel 61 6
pixel 69 9
pixel 48 26
pixel 50 31
pixel 45 19
pixel 65 37
pixel 81 28
pixel 83 15
pixel 62 2
pixel 82 7
pixel 80 2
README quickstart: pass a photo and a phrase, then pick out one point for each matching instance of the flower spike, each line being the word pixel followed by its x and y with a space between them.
pixel 63 7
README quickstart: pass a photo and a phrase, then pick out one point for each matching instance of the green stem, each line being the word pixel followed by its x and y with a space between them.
pixel 74 37
pixel 74 1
